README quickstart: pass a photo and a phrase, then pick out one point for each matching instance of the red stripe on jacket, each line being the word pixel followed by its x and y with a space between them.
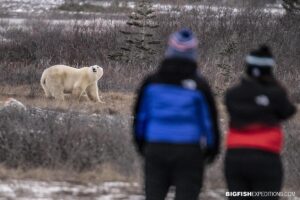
pixel 257 137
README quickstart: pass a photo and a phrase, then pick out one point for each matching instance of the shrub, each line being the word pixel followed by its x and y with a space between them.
pixel 225 38
pixel 55 140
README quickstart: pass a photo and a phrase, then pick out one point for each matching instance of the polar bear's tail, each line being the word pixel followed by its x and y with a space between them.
pixel 43 84
pixel 43 80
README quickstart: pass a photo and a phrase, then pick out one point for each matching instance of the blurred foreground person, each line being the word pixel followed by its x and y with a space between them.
pixel 256 106
pixel 175 125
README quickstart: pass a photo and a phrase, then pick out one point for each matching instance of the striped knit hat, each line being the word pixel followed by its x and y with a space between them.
pixel 182 44
pixel 260 62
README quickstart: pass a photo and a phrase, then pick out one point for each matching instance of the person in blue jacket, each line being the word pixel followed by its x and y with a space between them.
pixel 175 124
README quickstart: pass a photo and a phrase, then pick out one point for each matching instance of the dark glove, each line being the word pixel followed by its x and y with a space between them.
pixel 210 155
pixel 139 144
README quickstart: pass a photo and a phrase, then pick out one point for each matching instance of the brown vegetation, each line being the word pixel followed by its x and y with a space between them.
pixel 115 102
pixel 80 145
pixel 225 38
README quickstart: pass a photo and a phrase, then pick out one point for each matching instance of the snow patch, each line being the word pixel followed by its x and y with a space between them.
pixel 40 6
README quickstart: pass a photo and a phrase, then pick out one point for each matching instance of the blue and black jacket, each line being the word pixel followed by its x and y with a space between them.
pixel 176 106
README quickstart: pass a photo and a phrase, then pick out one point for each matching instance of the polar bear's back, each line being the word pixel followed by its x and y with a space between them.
pixel 63 74
pixel 60 69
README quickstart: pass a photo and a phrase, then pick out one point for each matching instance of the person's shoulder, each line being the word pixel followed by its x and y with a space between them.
pixel 202 82
pixel 238 88
pixel 149 79
pixel 278 90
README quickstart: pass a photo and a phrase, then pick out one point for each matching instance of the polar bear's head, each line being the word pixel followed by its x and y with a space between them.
pixel 97 71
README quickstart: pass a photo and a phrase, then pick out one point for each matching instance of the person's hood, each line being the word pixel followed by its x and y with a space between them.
pixel 177 67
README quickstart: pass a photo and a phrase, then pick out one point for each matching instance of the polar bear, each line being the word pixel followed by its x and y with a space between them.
pixel 59 79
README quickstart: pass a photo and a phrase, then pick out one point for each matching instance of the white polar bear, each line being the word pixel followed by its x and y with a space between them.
pixel 59 79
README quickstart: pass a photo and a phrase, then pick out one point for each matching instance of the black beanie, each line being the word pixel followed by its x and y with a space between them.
pixel 260 62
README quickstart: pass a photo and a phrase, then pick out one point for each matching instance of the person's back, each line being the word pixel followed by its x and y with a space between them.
pixel 256 106
pixel 176 108
pixel 252 102
pixel 174 114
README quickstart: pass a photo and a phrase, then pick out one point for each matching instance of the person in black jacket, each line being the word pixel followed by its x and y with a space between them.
pixel 175 123
pixel 256 107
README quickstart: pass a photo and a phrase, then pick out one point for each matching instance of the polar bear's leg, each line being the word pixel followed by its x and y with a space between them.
pixel 57 91
pixel 47 92
pixel 92 92
pixel 59 95
pixel 44 86
pixel 77 92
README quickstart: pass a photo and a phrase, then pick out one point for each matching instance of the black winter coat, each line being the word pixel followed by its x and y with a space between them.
pixel 255 102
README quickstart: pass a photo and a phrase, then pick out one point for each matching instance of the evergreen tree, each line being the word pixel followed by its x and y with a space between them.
pixel 292 6
pixel 140 39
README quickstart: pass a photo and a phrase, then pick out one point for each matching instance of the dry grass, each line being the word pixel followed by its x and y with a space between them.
pixel 291 152
pixel 115 102
pixel 101 173
pixel 23 60
pixel 225 38
pixel 121 103
pixel 93 8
